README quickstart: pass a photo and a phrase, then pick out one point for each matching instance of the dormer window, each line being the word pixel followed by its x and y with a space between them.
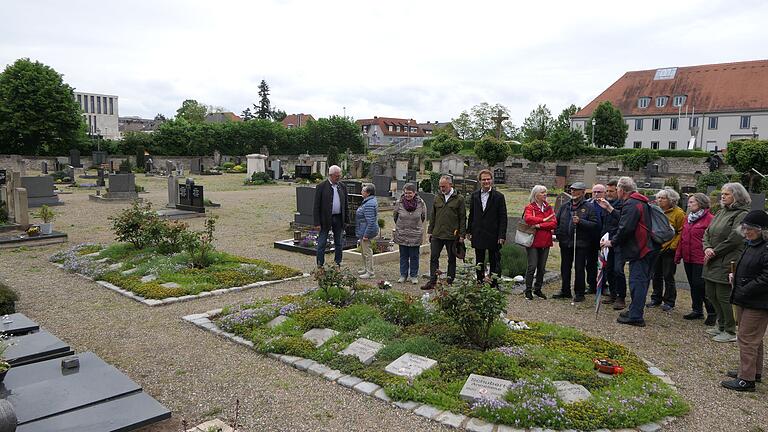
pixel 661 101
pixel 389 128
pixel 678 101
pixel 643 102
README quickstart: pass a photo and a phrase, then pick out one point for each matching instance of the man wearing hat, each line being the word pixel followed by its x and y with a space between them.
pixel 576 223
pixel 750 302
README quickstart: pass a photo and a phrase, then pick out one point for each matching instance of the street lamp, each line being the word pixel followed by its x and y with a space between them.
pixel 594 121
pixel 754 132
pixel 408 140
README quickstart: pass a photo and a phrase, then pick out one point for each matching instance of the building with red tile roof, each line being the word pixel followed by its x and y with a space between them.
pixel 700 107
pixel 296 120
pixel 385 131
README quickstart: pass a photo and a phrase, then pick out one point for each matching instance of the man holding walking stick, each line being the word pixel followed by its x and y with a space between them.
pixel 576 221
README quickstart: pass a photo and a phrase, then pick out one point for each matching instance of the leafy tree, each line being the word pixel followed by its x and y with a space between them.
pixel 566 144
pixel 132 141
pixel 247 115
pixel 263 110
pixel 743 155
pixel 333 155
pixel 462 125
pixel 278 115
pixel 160 118
pixel 492 150
pixel 536 150
pixel 38 111
pixel 610 127
pixel 446 144
pixel 538 125
pixel 192 111
pixel 563 121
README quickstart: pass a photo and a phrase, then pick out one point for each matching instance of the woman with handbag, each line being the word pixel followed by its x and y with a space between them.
pixel 540 216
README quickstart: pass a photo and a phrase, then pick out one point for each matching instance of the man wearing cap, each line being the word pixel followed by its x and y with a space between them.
pixel 598 192
pixel 576 223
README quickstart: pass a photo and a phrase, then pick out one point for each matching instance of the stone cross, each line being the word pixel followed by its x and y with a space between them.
pixel 500 117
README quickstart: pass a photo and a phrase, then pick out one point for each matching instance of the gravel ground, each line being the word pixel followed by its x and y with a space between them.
pixel 199 375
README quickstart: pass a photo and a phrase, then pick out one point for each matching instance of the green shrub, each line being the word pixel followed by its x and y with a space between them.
pixel 126 166
pixel 379 330
pixel 260 178
pixel 673 182
pixel 514 260
pixel 8 298
pixel 403 309
pixel 336 286
pixel 354 316
pixel 138 225
pixel 228 165
pixel 199 245
pixel 714 178
pixel 321 317
pixel 536 150
pixel 434 178
pixel 425 185
pixel 420 345
pixel 639 159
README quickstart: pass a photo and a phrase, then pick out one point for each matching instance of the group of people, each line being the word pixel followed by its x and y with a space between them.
pixel 725 254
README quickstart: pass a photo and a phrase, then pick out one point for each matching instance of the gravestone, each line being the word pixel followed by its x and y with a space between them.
pixel 382 183
pixel 411 176
pixel 400 185
pixel 122 187
pixel 365 350
pixel 35 347
pixel 499 176
pixel 196 165
pixel 410 365
pixel 70 172
pixel 453 164
pixel 429 201
pixel 17 324
pixel 353 186
pixel 305 206
pixel 277 321
pixel 516 165
pixel 590 174
pixel 98 157
pixel 277 169
pixel 256 164
pixel 100 177
pixel 484 387
pixel 319 336
pixel 570 393
pixel 74 158
pixel 401 169
pixel 353 203
pixel 512 222
pixel 173 191
pixel 44 167
pixel 191 197
pixel 40 191
pixel 303 171
pixel 170 168
pixel 758 201
pixel 437 166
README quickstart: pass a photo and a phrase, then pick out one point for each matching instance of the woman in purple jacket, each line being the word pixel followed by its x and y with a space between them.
pixel 691 252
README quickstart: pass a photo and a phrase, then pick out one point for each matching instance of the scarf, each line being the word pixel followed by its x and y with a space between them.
pixel 694 216
pixel 410 204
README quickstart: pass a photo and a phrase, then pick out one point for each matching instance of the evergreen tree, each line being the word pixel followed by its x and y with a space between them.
pixel 247 115
pixel 263 110
pixel 538 125
pixel 610 128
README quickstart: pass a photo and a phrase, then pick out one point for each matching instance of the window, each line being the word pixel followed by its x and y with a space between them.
pixel 104 102
pixel 643 102
pixel 638 124
pixel 98 104
pixel 655 145
pixel 678 100
pixel 673 145
pixel 673 123
pixel 693 122
pixel 80 101
pixel 656 124
pixel 712 123
pixel 93 107
pixel 661 101
pixel 85 100
pixel 398 128
pixel 390 128
pixel 744 122
pixel 111 110
pixel 637 144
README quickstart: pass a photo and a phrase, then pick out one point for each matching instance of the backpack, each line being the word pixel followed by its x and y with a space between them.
pixel 661 230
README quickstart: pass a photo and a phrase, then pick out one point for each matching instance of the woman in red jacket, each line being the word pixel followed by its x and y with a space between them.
pixel 691 251
pixel 540 215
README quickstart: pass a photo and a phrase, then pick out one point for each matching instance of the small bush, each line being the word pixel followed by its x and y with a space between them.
pixel 403 309
pixel 639 159
pixel 425 185
pixel 8 298
pixel 714 178
pixel 260 178
pixel 228 165
pixel 514 260
pixel 321 317
pixel 354 316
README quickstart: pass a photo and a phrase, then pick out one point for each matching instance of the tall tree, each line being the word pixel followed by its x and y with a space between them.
pixel 538 125
pixel 38 111
pixel 462 125
pixel 563 121
pixel 247 115
pixel 263 110
pixel 278 115
pixel 610 129
pixel 192 111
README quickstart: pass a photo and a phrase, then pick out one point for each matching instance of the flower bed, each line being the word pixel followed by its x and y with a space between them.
pixel 152 275
pixel 535 360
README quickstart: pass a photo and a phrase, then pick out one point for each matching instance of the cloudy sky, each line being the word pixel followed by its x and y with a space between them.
pixel 426 60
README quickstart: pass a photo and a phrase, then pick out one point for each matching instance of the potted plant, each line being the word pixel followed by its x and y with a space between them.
pixel 46 215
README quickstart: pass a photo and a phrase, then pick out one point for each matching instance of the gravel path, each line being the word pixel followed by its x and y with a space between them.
pixel 199 376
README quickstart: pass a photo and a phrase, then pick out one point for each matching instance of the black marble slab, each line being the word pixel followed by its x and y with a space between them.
pixel 17 324
pixel 34 347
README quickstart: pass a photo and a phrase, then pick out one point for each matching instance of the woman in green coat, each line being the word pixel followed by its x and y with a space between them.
pixel 722 245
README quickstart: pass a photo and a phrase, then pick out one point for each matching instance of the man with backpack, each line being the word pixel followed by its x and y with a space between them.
pixel 634 238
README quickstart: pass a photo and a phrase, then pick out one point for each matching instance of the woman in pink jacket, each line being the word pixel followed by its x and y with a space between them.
pixel 691 252
pixel 540 215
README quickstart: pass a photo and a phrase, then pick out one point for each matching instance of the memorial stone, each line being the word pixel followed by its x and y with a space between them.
pixel 303 171
pixel 758 201
pixel 122 186
pixel 74 158
pixel 353 186
pixel 570 393
pixel 484 387
pixel 499 176
pixel 100 177
pixel 429 202
pixel 173 191
pixel 382 183
pixel 196 166
pixel 44 167
pixel 170 168
pixel 590 174
pixel 305 206
pixel 98 158
pixel 453 164
pixel 277 169
pixel 364 349
pixel 401 169
pixel 410 365
pixel 319 336
pixel 400 185
pixel 4 176
pixel 40 191
pixel 277 321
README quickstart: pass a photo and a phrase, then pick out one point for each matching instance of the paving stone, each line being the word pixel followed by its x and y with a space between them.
pixel 170 285
pixel 451 419
pixel 407 405
pixel 505 428
pixel 366 387
pixel 477 425
pixel 193 317
pixel 427 411
pixel 603 430
pixel 130 271
pixel 152 302
pixel 277 321
pixel 649 427
pixel 148 278
pixel 333 375
pixel 318 369
pixel 410 365
pixel 319 336
pixel 274 356
pixel 381 394
pixel 304 364
pixel 349 381
pixel 289 359
pixel 242 341
pixel 656 371
pixel 103 260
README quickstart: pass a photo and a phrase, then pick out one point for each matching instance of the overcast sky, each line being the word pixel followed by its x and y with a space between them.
pixel 427 60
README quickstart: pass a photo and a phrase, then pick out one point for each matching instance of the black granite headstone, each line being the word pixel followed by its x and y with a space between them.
pixel 184 195
pixel 17 324
pixel 429 201
pixel 100 177
pixel 353 186
pixel 353 203
pixel 499 176
pixel 74 158
pixel 34 347
pixel 99 157
pixel 561 170
pixel 197 199
pixel 3 177
pixel 758 201
pixel 303 171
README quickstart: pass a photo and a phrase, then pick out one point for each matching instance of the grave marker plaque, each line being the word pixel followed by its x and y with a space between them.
pixel 570 392
pixel 319 336
pixel 410 365
pixel 499 176
pixel 484 387
pixel 184 196
pixel 758 201
pixel 364 349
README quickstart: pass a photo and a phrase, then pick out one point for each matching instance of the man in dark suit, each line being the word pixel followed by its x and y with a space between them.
pixel 487 226
pixel 330 213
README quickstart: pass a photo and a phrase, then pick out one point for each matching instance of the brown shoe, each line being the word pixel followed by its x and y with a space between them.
pixel 608 300
pixel 428 286
pixel 619 304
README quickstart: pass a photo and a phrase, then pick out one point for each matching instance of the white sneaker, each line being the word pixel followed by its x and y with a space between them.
pixel 725 337
pixel 360 272
pixel 401 280
pixel 714 331
pixel 415 280
pixel 366 275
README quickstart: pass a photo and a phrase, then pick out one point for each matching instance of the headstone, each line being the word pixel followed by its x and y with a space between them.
pixel 170 168
pixel 363 349
pixel 74 158
pixel 561 170
pixel 401 169
pixel 191 197
pixel 758 201
pixel 303 171
pixel 499 176
pixel 570 393
pixel 411 176
pixel 383 184
pixel 453 164
pixel 40 191
pixel 122 186
pixel 319 336
pixel 353 186
pixel 196 166
pixel 688 190
pixel 216 158
pixel 21 207
pixel 4 176
pixel 100 177
pixel 400 185
pixel 590 174
pixel 44 167
pixel 429 201
pixel 98 157
pixel 484 387
pixel 33 347
pixel 173 191
pixel 277 169
pixel 410 365
pixel 305 206
pixel 353 203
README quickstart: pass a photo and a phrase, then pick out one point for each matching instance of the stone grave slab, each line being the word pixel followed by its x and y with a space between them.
pixel 485 387
pixel 410 365
pixel 122 187
pixel 319 336
pixel 364 349
pixel 570 393
pixel 17 324
pixel 429 201
pixel 382 184
pixel 35 347
pixel 40 191
pixel 277 321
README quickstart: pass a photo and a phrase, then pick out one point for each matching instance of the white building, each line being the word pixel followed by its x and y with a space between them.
pixel 699 107
pixel 100 114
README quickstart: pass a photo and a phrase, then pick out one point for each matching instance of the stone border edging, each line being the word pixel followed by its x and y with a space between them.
pixel 448 418
pixel 171 300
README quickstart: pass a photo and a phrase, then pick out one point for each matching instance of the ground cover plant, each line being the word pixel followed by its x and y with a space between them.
pixel 157 259
pixel 461 329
